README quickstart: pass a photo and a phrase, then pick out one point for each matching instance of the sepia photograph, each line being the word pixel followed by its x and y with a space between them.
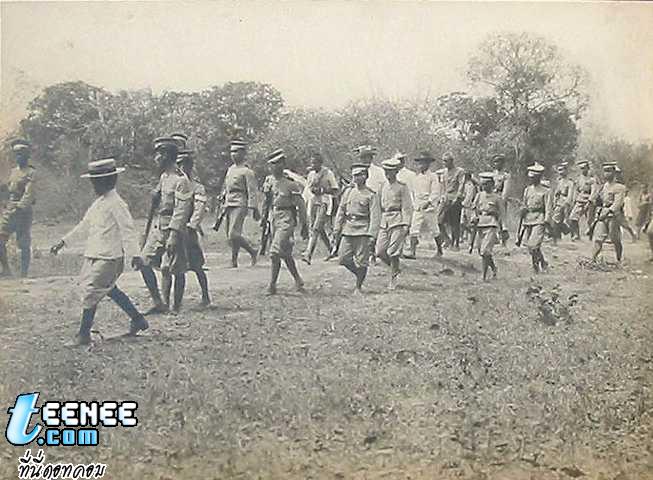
pixel 310 239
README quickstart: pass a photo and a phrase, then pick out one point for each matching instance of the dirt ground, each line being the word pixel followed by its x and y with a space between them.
pixel 526 377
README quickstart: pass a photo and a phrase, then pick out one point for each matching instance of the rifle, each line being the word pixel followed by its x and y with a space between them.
pixel 222 212
pixel 335 247
pixel 590 231
pixel 520 232
pixel 265 222
pixel 156 200
pixel 265 236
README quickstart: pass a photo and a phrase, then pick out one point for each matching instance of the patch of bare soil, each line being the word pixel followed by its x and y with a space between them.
pixel 524 377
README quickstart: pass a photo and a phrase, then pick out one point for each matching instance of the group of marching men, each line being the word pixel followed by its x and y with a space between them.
pixel 378 215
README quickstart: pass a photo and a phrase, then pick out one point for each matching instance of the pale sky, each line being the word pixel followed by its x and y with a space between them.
pixel 318 53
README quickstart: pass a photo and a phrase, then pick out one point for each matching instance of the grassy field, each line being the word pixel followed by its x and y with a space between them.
pixel 526 377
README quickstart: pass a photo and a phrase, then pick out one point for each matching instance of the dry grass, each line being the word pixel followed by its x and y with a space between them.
pixel 448 377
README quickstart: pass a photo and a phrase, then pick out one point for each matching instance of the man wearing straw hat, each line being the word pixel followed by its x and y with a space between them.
pixel 194 252
pixel 426 197
pixel 396 214
pixel 285 205
pixel 17 214
pixel 240 194
pixel 165 247
pixel 536 213
pixel 610 203
pixel 110 236
pixel 357 221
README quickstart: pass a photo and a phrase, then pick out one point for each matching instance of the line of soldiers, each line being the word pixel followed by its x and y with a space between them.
pixel 380 213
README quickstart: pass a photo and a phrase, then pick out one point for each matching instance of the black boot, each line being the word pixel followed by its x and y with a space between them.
pixel 25 257
pixel 493 266
pixel 535 261
pixel 4 262
pixel 438 244
pixel 485 265
pixel 84 335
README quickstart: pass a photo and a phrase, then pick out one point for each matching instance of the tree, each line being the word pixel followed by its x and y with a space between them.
pixel 539 96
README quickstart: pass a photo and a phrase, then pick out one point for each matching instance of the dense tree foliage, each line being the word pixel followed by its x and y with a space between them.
pixel 525 101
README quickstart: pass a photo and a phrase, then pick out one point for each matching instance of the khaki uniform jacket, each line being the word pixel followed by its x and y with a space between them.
pixel 240 187
pixel 586 189
pixel 21 188
pixel 488 208
pixel 358 213
pixel 612 197
pixel 537 200
pixel 199 205
pixel 176 201
pixel 396 205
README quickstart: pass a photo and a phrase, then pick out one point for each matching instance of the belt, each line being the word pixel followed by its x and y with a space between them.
pixel 293 208
pixel 536 210
pixel 353 216
pixel 235 190
pixel 485 212
pixel 15 197
pixel 166 212
pixel 391 209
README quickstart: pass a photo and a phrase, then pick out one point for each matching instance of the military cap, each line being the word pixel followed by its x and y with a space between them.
pixel 486 177
pixel 609 166
pixel 159 141
pixel 358 170
pixel 391 164
pixel 535 170
pixel 180 139
pixel 583 164
pixel 360 165
pixel 365 150
pixel 276 156
pixel 102 168
pixel 184 154
pixel 19 144
pixel 424 157
pixel 237 144
pixel 499 157
pixel 400 156
pixel 562 167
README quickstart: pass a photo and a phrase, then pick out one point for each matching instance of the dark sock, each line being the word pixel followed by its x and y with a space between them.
pixel 204 284
pixel 276 268
pixel 360 276
pixel 149 277
pixel 25 257
pixel 88 315
pixel 4 261
pixel 124 302
pixel 180 286
pixel 166 286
